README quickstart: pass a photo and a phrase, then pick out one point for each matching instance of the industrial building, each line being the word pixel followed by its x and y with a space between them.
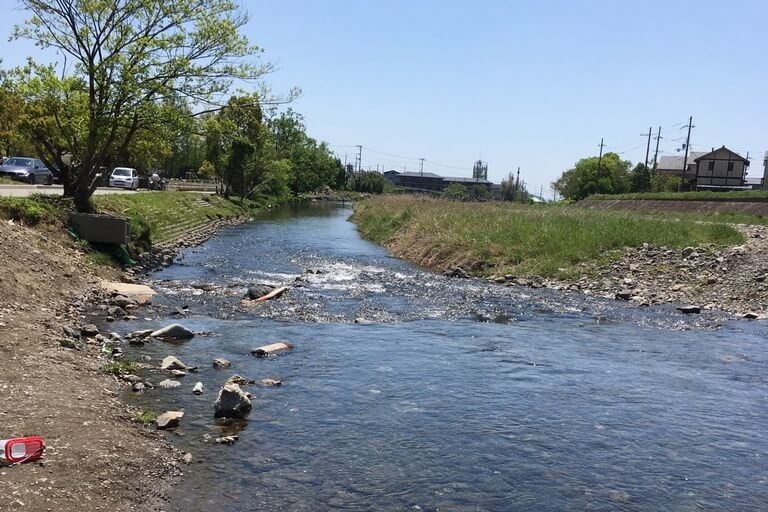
pixel 429 181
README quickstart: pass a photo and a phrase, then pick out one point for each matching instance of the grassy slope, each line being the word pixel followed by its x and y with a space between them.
pixel 155 216
pixel 493 238
pixel 756 195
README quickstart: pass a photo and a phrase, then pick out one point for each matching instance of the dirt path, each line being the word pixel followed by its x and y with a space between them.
pixel 97 459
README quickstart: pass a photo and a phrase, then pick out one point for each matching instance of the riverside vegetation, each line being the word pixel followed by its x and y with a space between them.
pixel 493 238
pixel 644 258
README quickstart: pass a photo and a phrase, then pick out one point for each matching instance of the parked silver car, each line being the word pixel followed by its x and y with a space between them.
pixel 28 170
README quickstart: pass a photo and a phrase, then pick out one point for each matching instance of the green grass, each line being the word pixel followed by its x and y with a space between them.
pixel 31 210
pixel 493 238
pixel 8 181
pixel 146 417
pixel 737 195
pixel 119 368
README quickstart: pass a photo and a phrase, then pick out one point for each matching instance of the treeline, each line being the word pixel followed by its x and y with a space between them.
pixel 152 88
pixel 611 175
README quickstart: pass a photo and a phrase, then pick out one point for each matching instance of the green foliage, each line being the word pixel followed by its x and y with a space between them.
pixel 456 192
pixel 147 417
pixel 119 368
pixel 29 210
pixel 313 165
pixel 664 183
pixel 123 72
pixel 611 176
pixel 493 238
pixel 640 179
pixel 368 182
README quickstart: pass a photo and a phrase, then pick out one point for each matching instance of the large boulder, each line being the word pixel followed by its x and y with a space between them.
pixel 172 363
pixel 169 419
pixel 232 402
pixel 173 332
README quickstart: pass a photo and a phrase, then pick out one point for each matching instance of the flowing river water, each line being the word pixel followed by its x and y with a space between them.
pixel 407 390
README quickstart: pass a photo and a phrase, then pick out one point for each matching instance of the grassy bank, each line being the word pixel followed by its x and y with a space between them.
pixel 155 216
pixel 160 216
pixel 493 238
pixel 736 195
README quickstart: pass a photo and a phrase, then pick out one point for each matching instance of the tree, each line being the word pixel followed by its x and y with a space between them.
pixel 640 180
pixel 479 193
pixel 127 56
pixel 370 182
pixel 12 142
pixel 591 176
pixel 313 165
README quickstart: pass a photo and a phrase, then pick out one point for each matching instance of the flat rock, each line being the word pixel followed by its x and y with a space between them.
pixel 271 382
pixel 173 332
pixel 689 309
pixel 169 419
pixel 169 384
pixel 140 293
pixel 178 373
pixel 274 348
pixel 227 439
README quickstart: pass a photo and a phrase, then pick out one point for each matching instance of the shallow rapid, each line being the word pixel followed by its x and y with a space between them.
pixel 411 391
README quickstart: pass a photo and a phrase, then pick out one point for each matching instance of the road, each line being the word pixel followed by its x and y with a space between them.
pixel 53 190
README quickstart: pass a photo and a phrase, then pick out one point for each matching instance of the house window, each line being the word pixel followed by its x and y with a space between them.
pixel 730 167
pixel 711 165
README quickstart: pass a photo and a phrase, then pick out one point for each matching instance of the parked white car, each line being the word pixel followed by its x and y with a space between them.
pixel 124 177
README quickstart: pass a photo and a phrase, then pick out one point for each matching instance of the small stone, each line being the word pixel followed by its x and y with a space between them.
pixel 689 309
pixel 624 294
pixel 198 389
pixel 220 362
pixel 178 373
pixel 271 382
pixel 169 419
pixel 169 384
pixel 89 330
pixel 750 315
pixel 138 387
pixel 71 344
pixel 227 439
pixel 187 458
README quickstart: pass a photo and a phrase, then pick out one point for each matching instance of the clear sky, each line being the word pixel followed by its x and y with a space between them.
pixel 525 83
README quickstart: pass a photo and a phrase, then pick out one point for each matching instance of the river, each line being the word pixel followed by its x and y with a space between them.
pixel 411 391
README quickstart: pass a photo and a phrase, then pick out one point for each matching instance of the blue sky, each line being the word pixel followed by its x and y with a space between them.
pixel 534 84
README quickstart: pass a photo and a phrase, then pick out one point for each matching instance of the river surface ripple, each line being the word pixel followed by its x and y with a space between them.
pixel 411 391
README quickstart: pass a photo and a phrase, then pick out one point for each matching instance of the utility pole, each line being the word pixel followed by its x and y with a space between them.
pixel 517 183
pixel 685 159
pixel 359 158
pixel 600 163
pixel 656 154
pixel 421 167
pixel 648 147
